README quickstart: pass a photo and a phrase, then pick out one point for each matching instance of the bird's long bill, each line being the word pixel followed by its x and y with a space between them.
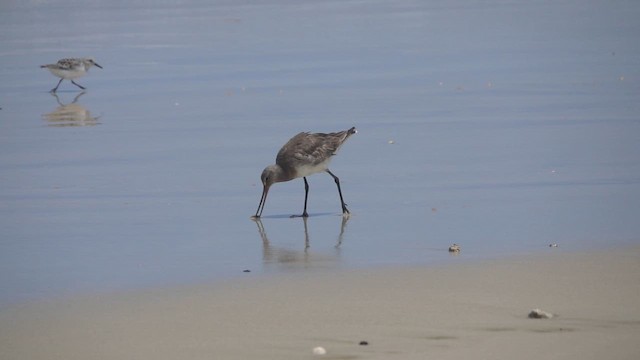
pixel 263 200
pixel 96 64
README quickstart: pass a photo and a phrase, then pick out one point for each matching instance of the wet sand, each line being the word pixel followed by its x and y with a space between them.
pixel 461 311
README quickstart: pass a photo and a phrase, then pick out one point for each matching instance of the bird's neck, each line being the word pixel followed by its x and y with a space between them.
pixel 281 174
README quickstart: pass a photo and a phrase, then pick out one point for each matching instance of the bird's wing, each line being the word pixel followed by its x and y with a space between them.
pixel 310 149
pixel 67 64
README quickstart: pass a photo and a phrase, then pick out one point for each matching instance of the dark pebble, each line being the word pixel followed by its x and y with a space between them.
pixel 247 270
pixel 364 343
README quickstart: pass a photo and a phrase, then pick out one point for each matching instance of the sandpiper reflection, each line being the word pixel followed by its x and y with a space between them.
pixel 71 114
pixel 301 256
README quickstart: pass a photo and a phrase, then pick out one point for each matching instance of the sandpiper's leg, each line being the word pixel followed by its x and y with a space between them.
pixel 78 85
pixel 56 88
pixel 306 195
pixel 344 206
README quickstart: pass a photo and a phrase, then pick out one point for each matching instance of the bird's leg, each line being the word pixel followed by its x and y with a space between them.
pixel 344 206
pixel 80 86
pixel 56 88
pixel 306 195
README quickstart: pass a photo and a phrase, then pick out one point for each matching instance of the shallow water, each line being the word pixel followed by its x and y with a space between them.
pixel 497 125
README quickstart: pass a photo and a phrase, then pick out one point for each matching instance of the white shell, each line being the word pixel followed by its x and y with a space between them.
pixel 319 350
pixel 540 314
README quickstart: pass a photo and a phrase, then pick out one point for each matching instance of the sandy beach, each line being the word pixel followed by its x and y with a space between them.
pixel 500 125
pixel 458 311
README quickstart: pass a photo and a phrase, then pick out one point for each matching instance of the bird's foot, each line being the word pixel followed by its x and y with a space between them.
pixel 303 215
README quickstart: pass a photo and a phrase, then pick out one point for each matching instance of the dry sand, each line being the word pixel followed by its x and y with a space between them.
pixel 459 311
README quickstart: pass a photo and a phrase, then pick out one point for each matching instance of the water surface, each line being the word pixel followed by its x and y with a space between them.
pixel 499 125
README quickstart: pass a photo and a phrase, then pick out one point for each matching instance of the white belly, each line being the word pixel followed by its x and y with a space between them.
pixel 306 170
pixel 68 74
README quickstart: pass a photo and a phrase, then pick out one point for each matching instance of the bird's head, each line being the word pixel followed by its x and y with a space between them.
pixel 89 62
pixel 270 175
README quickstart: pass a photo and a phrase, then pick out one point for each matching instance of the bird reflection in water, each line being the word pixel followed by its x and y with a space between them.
pixel 287 256
pixel 71 114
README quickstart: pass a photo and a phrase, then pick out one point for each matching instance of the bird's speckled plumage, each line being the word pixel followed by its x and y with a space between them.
pixel 310 151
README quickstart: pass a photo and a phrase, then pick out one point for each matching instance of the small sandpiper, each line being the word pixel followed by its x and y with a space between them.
pixel 303 155
pixel 69 69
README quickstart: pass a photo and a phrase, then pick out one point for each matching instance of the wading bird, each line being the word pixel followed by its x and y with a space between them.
pixel 69 69
pixel 303 155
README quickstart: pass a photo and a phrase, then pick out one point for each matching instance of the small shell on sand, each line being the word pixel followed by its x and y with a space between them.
pixel 319 350
pixel 539 314
pixel 454 248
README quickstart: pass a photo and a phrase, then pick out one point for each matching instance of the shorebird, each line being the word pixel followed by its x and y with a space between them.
pixel 69 69
pixel 303 155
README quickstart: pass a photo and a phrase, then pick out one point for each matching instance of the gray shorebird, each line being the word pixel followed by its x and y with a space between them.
pixel 69 69
pixel 303 155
